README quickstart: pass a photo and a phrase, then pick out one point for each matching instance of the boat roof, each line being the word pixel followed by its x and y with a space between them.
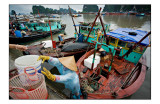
pixel 84 26
pixel 95 27
pixel 122 34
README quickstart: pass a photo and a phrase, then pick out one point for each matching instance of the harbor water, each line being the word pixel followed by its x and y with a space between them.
pixel 115 21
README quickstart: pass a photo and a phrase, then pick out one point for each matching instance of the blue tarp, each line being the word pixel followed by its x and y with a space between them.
pixel 122 34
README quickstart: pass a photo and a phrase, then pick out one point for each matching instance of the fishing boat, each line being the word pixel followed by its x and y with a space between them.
pixel 42 31
pixel 122 73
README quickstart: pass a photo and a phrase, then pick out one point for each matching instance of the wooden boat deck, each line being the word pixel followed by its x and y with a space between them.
pixel 110 83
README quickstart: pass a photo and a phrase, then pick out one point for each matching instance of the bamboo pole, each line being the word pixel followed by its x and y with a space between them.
pixel 72 20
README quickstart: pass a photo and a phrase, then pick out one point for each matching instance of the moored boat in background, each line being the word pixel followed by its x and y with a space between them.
pixel 140 14
pixel 34 35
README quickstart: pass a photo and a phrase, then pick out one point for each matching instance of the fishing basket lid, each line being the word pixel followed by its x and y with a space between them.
pixel 69 62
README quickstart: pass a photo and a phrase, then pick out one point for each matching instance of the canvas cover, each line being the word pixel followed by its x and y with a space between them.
pixel 72 47
pixel 123 34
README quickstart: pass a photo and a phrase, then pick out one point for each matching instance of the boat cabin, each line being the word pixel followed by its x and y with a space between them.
pixel 126 38
pixel 122 37
pixel 42 26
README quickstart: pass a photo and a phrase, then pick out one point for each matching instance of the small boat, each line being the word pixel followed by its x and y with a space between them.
pixel 140 14
pixel 93 35
pixel 42 25
pixel 34 35
pixel 76 15
pixel 69 48
pixel 121 74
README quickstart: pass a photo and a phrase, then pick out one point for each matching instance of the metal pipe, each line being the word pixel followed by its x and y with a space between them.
pixel 130 76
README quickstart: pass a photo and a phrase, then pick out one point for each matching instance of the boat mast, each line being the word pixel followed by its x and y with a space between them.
pixel 134 8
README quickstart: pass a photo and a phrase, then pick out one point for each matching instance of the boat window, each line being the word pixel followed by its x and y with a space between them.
pixel 112 40
pixel 84 28
pixel 129 45
pixel 89 29
pixel 121 43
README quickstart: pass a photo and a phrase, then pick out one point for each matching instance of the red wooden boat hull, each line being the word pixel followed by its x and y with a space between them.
pixel 133 85
pixel 115 13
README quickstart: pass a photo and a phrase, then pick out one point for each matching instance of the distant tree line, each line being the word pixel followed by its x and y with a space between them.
pixel 43 10
pixel 127 8
pixel 117 8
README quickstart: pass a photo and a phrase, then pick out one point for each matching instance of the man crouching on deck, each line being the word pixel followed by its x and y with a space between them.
pixel 67 68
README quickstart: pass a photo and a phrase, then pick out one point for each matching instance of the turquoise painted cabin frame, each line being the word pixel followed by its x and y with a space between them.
pixel 42 26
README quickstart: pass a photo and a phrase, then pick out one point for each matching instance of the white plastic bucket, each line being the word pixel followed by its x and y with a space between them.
pixel 28 61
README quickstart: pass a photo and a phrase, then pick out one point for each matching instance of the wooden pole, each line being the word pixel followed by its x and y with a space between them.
pixel 137 44
pixel 72 20
pixel 93 23
pixel 107 38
